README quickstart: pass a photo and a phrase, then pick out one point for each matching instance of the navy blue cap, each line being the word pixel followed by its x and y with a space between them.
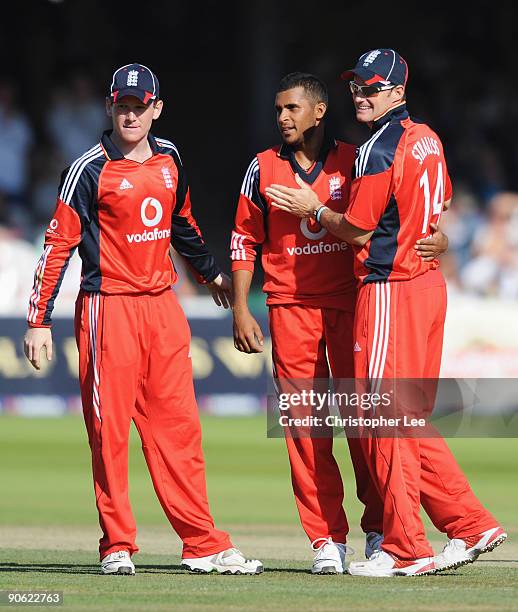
pixel 379 66
pixel 134 80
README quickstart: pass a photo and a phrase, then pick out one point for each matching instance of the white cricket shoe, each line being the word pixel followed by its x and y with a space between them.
pixel 119 563
pixel 382 564
pixel 460 551
pixel 229 561
pixel 330 557
pixel 373 542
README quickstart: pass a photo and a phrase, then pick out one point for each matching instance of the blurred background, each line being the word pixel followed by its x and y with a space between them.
pixel 219 64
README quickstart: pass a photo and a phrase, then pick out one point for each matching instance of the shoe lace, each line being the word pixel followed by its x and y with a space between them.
pixel 377 553
pixel 454 543
pixel 319 543
pixel 316 546
pixel 235 551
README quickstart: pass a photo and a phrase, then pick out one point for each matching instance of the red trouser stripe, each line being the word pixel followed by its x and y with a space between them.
pixel 93 316
pixel 381 335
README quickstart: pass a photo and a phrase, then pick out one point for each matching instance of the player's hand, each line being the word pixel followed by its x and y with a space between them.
pixel 299 202
pixel 35 339
pixel 221 290
pixel 248 337
pixel 433 246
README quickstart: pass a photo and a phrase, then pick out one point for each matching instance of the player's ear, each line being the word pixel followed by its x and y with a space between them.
pixel 320 110
pixel 157 109
pixel 109 107
pixel 399 92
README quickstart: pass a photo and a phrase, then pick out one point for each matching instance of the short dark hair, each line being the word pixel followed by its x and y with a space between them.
pixel 312 85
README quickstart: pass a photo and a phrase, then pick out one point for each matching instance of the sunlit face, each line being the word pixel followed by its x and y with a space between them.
pixel 370 108
pixel 297 115
pixel 131 118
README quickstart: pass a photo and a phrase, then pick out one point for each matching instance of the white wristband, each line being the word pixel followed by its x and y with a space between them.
pixel 319 212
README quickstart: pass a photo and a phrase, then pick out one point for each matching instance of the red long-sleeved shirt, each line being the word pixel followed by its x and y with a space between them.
pixel 122 215
pixel 400 184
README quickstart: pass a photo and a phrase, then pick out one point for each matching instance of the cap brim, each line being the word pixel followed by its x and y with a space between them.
pixel 347 75
pixel 143 96
pixel 365 74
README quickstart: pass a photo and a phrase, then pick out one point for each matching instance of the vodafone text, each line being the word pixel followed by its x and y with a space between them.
pixel 317 249
pixel 156 234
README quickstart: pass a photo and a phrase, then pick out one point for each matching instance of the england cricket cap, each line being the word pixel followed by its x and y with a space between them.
pixel 379 66
pixel 134 80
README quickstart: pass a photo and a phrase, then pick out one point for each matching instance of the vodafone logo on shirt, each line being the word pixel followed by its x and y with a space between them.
pixel 309 233
pixel 151 214
pixel 156 206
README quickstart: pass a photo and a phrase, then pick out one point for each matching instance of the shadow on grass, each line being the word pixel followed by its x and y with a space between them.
pixel 66 568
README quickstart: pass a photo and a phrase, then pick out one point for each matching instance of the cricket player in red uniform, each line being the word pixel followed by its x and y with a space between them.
pixel 122 204
pixel 311 307
pixel 400 187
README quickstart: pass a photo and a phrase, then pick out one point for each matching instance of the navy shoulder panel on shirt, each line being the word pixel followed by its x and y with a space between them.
pixel 377 154
pixel 167 147
pixel 79 173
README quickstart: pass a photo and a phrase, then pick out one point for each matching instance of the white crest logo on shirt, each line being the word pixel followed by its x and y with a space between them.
pixel 335 188
pixel 132 78
pixel 154 203
pixel 168 179
pixel 53 224
pixel 304 228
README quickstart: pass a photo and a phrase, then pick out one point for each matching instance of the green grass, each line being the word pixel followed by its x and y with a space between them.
pixel 48 528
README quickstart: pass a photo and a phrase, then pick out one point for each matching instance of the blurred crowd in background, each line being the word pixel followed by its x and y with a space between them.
pixel 43 132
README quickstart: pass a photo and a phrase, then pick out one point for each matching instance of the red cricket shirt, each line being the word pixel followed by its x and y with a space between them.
pixel 122 215
pixel 400 184
pixel 303 263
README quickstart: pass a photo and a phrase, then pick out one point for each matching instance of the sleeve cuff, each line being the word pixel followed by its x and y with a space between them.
pixel 210 278
pixel 243 265
pixel 359 222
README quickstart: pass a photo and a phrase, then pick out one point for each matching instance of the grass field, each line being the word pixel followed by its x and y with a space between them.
pixel 48 528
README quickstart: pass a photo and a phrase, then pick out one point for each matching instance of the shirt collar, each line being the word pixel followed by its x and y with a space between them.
pixel 113 152
pixel 396 113
pixel 288 153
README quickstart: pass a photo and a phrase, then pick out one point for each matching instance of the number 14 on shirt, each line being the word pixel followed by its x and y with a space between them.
pixel 438 198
